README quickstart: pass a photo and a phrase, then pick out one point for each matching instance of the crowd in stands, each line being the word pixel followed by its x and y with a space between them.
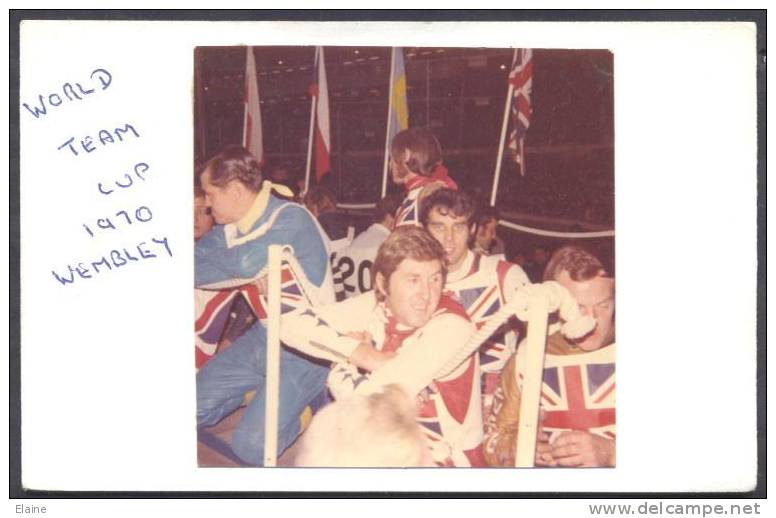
pixel 376 327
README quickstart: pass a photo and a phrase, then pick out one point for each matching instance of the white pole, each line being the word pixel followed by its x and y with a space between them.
pixel 534 368
pixel 388 124
pixel 504 122
pixel 310 132
pixel 273 356
pixel 247 101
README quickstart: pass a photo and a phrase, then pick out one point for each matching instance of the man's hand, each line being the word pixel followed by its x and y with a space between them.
pixel 574 449
pixel 365 356
pixel 543 455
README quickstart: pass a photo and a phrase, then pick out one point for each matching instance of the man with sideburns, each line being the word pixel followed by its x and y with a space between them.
pixel 249 219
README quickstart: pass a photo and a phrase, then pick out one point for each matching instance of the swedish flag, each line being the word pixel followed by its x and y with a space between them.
pixel 399 115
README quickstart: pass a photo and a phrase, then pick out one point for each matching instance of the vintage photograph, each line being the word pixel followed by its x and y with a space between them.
pixel 404 257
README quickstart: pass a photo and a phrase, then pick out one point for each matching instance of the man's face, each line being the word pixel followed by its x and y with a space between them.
pixel 396 171
pixel 453 234
pixel 595 298
pixel 222 200
pixel 399 172
pixel 413 291
pixel 203 220
pixel 486 234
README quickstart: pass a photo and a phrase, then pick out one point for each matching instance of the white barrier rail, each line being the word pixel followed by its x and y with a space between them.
pixel 356 206
pixel 272 393
pixel 553 233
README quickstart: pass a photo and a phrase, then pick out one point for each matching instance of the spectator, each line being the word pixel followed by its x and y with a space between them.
pixel 535 265
pixel 279 174
pixel 486 241
pixel 322 203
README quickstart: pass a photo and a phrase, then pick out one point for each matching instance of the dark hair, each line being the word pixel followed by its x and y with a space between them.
pixel 321 199
pixel 235 163
pixel 406 242
pixel 198 191
pixel 386 207
pixel 448 201
pixel 485 213
pixel 578 262
pixel 424 148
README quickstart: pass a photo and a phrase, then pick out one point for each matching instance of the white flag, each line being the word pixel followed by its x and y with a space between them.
pixel 252 138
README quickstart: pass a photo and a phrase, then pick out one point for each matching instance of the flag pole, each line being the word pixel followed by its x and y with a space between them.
pixel 249 49
pixel 504 123
pixel 310 132
pixel 310 144
pixel 388 124
pixel 200 104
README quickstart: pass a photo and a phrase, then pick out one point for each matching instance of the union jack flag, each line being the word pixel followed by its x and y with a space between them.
pixel 481 303
pixel 454 396
pixel 579 395
pixel 406 214
pixel 521 79
pixel 213 311
pixel 292 294
pixel 480 293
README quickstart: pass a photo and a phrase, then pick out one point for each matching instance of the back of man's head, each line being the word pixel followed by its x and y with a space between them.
pixel 235 163
pixel 486 213
pixel 319 200
pixel 378 430
pixel 417 149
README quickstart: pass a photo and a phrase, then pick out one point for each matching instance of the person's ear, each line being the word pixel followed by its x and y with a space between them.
pixel 234 187
pixel 380 284
pixel 407 156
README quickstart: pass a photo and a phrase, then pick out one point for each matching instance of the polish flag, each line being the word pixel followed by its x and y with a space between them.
pixel 252 138
pixel 322 136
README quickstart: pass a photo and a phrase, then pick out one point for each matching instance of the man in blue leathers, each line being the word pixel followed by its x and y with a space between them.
pixel 250 218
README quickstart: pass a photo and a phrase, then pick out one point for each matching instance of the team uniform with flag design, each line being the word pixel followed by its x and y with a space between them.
pixel 450 412
pixel 217 317
pixel 408 212
pixel 226 313
pixel 235 255
pixel 482 285
pixel 578 393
